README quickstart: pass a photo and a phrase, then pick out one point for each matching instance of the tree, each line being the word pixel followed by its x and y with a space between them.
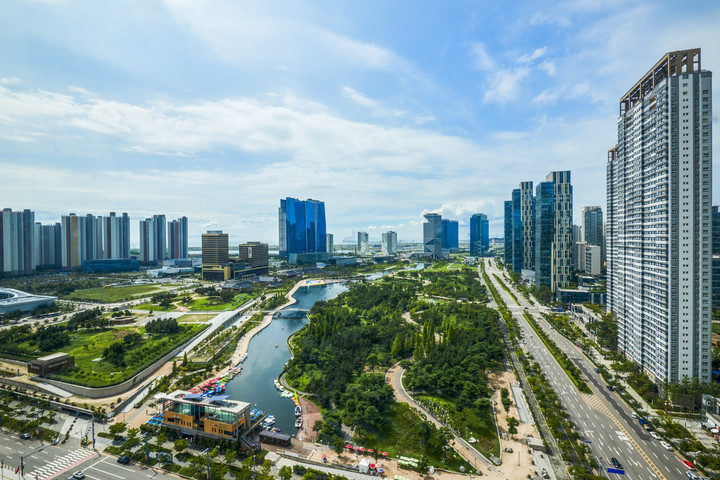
pixel 396 347
pixel 214 452
pixel 230 456
pixel 512 425
pixel 117 429
pixel 181 445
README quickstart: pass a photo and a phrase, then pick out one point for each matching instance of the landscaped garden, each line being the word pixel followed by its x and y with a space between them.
pixel 111 294
pixel 202 299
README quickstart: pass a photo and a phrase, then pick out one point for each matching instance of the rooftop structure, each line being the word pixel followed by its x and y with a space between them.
pixel 11 300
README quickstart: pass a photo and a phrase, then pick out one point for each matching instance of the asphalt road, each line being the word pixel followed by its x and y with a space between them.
pixel 603 419
pixel 48 462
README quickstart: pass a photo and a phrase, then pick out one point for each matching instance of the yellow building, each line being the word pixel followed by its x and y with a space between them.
pixel 215 256
pixel 214 417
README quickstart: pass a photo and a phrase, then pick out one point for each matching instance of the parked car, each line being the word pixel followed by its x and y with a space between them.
pixel 25 436
pixel 688 465
pixel 634 414
pixel 691 475
pixel 611 388
pixel 124 460
pixel 655 435
pixel 79 475
pixel 666 445
pixel 616 463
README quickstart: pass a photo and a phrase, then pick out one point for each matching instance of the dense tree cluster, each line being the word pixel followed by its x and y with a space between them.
pixel 162 326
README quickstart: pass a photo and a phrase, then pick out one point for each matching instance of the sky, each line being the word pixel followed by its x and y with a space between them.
pixel 383 110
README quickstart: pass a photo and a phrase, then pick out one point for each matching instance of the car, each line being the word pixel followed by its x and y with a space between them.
pixel 655 435
pixel 689 465
pixel 691 475
pixel 597 370
pixel 666 445
pixel 611 388
pixel 616 463
pixel 25 436
pixel 124 460
pixel 648 427
pixel 634 414
pixel 79 475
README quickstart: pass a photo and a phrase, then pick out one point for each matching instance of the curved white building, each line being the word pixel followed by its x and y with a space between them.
pixel 11 300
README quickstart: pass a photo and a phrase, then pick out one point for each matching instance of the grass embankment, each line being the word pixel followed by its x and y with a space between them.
pixel 505 287
pixel 195 317
pixel 111 294
pixel 567 365
pixel 87 346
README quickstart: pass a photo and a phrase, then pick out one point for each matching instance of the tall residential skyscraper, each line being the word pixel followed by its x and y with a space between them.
pixel 450 235
pixel 432 235
pixel 517 232
pixel 329 243
pixel 715 259
pixel 362 243
pixel 178 238
pixel 508 254
pixel 479 235
pixel 48 245
pixel 554 231
pixel 152 239
pixel 592 225
pixel 659 191
pixel 116 236
pixel 389 243
pixel 302 230
pixel 17 242
pixel 527 222
pixel 73 243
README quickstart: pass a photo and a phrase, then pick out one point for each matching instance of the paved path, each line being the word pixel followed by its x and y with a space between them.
pixel 394 378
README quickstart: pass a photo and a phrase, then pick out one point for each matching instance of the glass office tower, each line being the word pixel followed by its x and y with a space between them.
pixel 479 235
pixel 302 229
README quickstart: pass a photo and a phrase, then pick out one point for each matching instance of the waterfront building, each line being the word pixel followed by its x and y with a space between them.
pixel 432 236
pixel 253 260
pixel 362 243
pixel 302 230
pixel 507 241
pixel 659 178
pixel 450 235
pixel 554 262
pixel 389 243
pixel 329 243
pixel 178 238
pixel 211 417
pixel 215 256
pixel 153 239
pixel 479 235
pixel 17 242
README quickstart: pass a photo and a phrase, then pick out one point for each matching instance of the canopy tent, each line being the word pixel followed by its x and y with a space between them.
pixel 364 465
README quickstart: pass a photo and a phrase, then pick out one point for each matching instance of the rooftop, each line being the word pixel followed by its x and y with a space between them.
pixel 218 401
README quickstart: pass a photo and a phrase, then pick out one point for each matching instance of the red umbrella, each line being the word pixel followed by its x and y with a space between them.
pixel 348 446
pixel 372 465
pixel 384 454
pixel 362 449
pixel 324 456
pixel 370 450
pixel 356 448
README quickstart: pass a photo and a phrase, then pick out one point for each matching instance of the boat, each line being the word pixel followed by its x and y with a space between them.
pixel 298 410
pixel 276 345
pixel 298 422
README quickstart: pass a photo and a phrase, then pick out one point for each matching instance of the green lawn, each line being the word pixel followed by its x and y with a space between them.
pixel 89 345
pixel 111 294
pixel 156 308
pixel 195 317
pixel 201 304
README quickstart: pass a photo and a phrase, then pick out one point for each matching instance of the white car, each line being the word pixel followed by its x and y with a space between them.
pixel 666 445
pixel 655 435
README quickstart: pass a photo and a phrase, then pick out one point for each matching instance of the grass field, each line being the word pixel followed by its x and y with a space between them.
pixel 112 294
pixel 195 317
pixel 87 346
pixel 201 304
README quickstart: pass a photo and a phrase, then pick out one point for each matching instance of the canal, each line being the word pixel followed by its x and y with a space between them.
pixel 265 362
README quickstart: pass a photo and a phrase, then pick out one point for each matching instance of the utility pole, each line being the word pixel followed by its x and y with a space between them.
pixel 207 453
pixel 92 424
pixel 147 454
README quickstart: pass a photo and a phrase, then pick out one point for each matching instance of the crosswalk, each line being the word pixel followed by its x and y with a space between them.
pixel 60 464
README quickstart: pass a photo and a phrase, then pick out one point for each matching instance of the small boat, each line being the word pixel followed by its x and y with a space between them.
pixel 298 411
pixel 298 422
pixel 276 345
pixel 282 328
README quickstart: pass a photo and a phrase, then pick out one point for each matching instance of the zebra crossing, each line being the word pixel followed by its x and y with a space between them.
pixel 60 464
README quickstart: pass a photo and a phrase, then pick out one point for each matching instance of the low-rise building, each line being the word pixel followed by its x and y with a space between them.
pixel 212 417
pixel 11 300
pixel 50 363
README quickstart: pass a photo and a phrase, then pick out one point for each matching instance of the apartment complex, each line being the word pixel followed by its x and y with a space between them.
pixel 178 238
pixel 153 238
pixel 17 245
pixel 659 195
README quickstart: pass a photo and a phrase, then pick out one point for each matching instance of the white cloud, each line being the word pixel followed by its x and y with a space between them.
pixel 503 85
pixel 548 67
pixel 9 80
pixel 482 59
pixel 358 98
pixel 533 56
pixel 546 97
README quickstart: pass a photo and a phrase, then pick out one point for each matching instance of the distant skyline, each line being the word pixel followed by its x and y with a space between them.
pixel 383 110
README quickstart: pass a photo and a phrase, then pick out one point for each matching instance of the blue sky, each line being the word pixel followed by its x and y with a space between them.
pixel 384 110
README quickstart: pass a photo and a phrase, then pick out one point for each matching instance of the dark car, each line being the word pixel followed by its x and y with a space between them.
pixel 611 388
pixel 25 436
pixel 616 463
pixel 124 460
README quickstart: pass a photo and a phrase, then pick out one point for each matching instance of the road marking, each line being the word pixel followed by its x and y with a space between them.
pixel 103 471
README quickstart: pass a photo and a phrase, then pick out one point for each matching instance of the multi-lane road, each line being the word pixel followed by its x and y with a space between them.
pixel 603 420
pixel 48 462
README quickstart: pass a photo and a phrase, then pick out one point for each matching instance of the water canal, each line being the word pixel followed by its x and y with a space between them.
pixel 265 362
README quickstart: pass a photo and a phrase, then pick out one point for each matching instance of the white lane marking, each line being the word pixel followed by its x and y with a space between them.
pixel 107 473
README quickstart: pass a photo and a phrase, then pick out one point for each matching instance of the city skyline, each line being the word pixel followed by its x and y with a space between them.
pixel 383 122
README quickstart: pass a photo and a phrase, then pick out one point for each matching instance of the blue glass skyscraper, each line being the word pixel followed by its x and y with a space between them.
pixel 450 236
pixel 479 235
pixel 302 228
pixel 508 233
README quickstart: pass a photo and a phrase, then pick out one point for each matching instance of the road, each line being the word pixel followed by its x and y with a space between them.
pixel 46 462
pixel 603 419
